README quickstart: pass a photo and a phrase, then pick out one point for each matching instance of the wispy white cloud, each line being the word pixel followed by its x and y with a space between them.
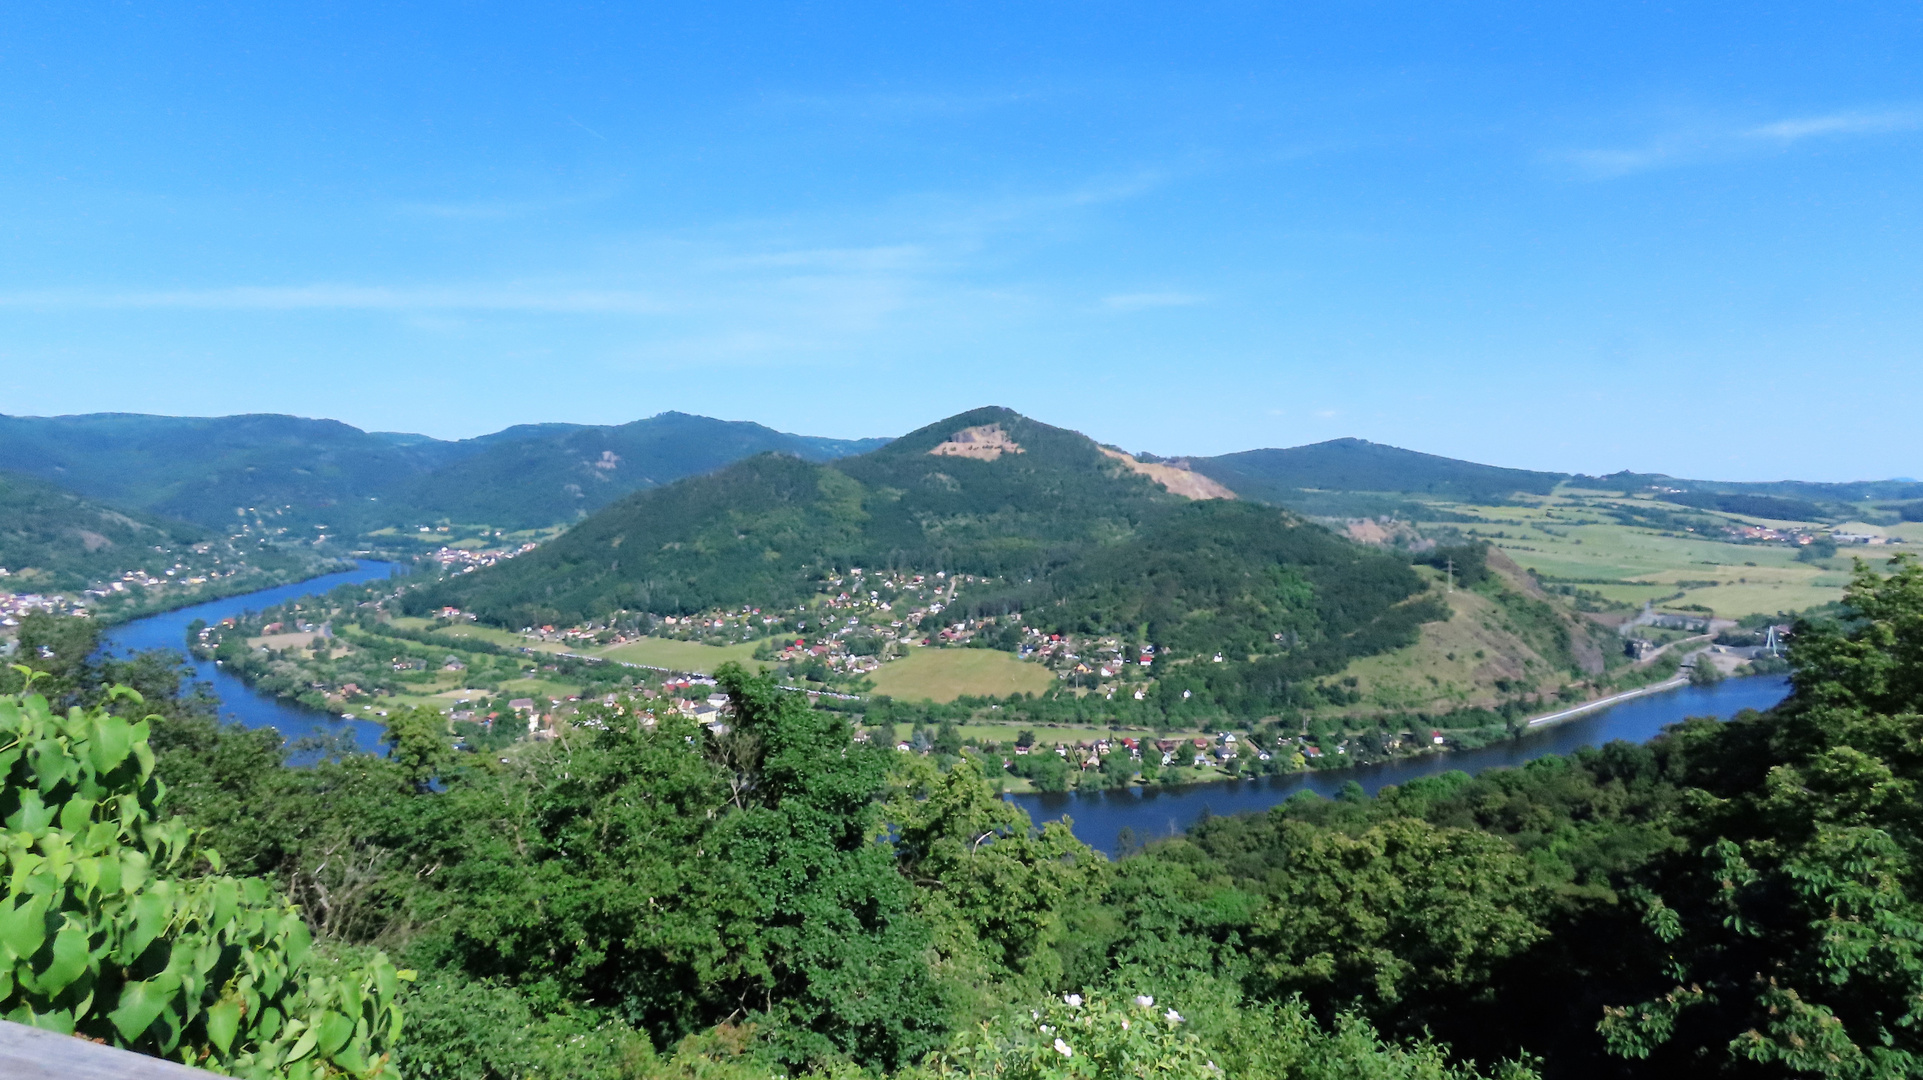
pixel 1140 300
pixel 819 290
pixel 1695 142
pixel 1842 123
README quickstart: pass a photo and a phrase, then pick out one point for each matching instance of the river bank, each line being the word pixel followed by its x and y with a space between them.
pixel 239 703
pixel 226 588
pixel 1098 817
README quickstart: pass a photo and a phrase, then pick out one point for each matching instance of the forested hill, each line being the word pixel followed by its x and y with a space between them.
pixel 1349 465
pixel 306 472
pixel 52 539
pixel 1078 539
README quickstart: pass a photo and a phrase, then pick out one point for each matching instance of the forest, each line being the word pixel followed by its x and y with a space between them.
pixel 642 897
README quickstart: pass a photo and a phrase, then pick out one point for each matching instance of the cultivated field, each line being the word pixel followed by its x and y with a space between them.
pixel 679 655
pixel 946 674
pixel 1632 564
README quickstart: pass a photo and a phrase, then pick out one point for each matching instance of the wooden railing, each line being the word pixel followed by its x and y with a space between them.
pixel 28 1053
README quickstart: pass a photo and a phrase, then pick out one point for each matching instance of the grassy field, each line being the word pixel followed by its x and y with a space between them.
pixel 1455 664
pixel 679 655
pixel 470 632
pixel 946 674
pixel 1631 564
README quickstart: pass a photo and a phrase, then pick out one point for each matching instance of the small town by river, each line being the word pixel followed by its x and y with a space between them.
pixel 1098 818
pixel 238 703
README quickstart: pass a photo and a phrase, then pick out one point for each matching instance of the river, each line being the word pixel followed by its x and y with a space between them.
pixel 168 630
pixel 1099 817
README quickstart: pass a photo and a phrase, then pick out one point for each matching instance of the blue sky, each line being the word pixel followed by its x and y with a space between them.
pixel 1678 238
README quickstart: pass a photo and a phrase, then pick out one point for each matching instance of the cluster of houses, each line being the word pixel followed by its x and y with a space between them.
pixel 1199 751
pixel 16 606
pixel 1765 534
pixel 1803 538
pixel 464 561
pixel 177 574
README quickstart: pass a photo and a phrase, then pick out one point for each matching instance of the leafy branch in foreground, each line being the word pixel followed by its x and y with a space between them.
pixel 108 931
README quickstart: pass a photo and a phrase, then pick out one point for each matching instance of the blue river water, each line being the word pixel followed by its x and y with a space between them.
pixel 1098 818
pixel 168 630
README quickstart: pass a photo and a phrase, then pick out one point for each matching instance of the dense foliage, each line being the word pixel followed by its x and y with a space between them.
pixel 117 925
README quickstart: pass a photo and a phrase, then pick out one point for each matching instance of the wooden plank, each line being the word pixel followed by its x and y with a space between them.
pixel 28 1053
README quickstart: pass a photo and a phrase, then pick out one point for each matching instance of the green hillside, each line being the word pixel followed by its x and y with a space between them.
pixel 50 539
pixel 1071 537
pixel 299 473
pixel 1860 491
pixel 1357 465
pixel 527 478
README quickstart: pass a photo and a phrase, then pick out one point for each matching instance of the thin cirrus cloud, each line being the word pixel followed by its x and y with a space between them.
pixel 1843 123
pixel 1689 145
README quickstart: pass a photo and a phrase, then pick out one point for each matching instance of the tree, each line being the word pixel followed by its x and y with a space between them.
pixel 1402 913
pixel 1791 923
pixel 419 745
pixel 995 891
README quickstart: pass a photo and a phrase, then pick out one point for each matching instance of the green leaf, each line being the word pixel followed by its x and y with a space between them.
pixel 76 815
pixel 33 816
pixel 140 1003
pixel 50 764
pixel 223 1021
pixel 112 738
pixel 150 916
pixel 304 1044
pixel 351 1059
pixel 23 927
pixel 335 1030
pixel 69 961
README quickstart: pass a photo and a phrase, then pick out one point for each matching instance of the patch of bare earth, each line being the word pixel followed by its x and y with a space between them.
pixel 1365 531
pixel 984 442
pixel 1177 481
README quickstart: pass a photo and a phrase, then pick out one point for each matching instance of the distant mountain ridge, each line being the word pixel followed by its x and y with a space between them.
pixel 1356 477
pixel 323 472
pixel 300 473
pixel 1361 465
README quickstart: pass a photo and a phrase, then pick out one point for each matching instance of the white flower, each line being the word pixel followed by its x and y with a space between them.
pixel 1046 1030
pixel 1172 1016
pixel 1074 1001
pixel 1144 1001
pixel 1062 1049
pixel 1124 1023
